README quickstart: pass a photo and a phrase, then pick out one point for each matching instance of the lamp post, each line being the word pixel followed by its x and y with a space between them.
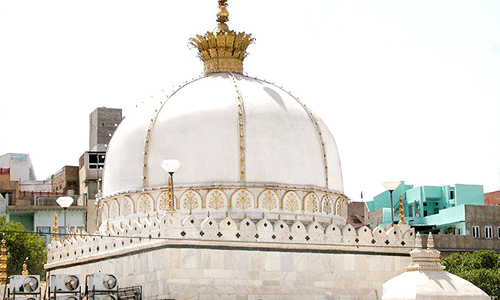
pixel 171 166
pixel 65 202
pixel 391 186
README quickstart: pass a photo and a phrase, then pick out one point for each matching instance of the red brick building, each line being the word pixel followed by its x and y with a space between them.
pixel 492 198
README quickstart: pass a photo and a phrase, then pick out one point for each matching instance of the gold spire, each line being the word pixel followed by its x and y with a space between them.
pixel 170 200
pixel 3 263
pixel 56 229
pixel 401 210
pixel 222 16
pixel 224 50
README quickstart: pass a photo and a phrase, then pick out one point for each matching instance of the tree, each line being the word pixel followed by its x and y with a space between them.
pixel 481 268
pixel 20 244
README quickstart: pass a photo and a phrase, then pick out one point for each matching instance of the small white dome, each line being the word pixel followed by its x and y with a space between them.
pixel 430 285
pixel 283 142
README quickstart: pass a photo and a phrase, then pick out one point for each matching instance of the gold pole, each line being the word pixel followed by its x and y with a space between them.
pixel 56 229
pixel 3 263
pixel 401 210
pixel 170 204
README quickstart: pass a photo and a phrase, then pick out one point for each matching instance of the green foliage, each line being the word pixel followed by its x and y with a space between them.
pixel 482 268
pixel 21 244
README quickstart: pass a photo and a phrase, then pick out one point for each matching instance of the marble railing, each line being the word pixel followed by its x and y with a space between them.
pixel 156 231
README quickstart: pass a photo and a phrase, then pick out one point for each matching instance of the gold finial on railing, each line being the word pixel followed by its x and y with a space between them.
pixel 3 263
pixel 56 229
pixel 401 210
pixel 25 268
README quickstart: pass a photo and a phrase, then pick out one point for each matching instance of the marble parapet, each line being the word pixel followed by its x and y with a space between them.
pixel 171 230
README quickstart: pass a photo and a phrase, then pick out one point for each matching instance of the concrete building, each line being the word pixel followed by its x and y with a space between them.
pixel 90 175
pixel 439 208
pixel 66 181
pixel 20 166
pixel 356 213
pixel 103 123
pixel 456 214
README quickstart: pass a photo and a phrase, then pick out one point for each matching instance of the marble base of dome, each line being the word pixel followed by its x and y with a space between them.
pixel 238 202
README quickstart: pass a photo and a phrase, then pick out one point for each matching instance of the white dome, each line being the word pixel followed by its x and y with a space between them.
pixel 283 143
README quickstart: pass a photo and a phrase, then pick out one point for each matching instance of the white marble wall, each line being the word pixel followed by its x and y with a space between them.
pixel 182 273
pixel 189 258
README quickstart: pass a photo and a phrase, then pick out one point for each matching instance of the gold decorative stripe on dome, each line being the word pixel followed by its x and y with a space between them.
pixel 224 50
pixel 320 136
pixel 241 132
pixel 147 140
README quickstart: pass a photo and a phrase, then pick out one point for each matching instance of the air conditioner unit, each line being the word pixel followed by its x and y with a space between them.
pixel 24 284
pixel 26 298
pixel 66 297
pixel 103 297
pixel 63 283
pixel 102 283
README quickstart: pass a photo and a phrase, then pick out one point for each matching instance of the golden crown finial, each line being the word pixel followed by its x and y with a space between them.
pixel 224 50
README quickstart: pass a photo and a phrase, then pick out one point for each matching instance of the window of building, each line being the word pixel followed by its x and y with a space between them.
pixel 475 232
pixel 488 232
pixel 452 195
pixel 498 232
pixel 96 161
pixel 92 158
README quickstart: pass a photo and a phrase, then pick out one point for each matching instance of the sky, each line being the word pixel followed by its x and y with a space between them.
pixel 409 89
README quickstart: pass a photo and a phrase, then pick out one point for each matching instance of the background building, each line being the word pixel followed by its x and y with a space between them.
pixel 437 208
pixel 492 198
pixel 456 214
pixel 103 123
pixel 66 181
pixel 33 203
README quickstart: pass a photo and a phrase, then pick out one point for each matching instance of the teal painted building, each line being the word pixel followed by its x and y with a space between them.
pixel 440 209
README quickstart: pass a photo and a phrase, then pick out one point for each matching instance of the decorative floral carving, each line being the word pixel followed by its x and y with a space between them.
pixel 190 200
pixel 343 210
pixel 104 211
pixel 127 206
pixel 163 201
pixel 341 206
pixel 291 201
pixel 312 202
pixel 327 204
pixel 216 199
pixel 145 203
pixel 113 208
pixel 269 200
pixel 242 199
